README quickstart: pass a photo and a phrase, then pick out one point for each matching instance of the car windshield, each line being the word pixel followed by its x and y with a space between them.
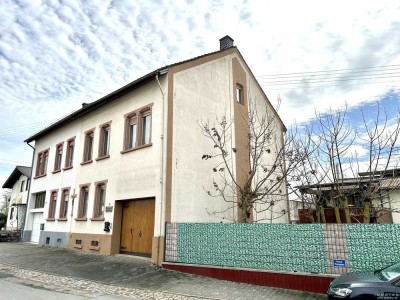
pixel 389 273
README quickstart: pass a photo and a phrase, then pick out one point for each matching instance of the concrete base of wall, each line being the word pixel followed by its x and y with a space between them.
pixel 97 243
pixel 26 236
pixel 316 283
pixel 157 253
pixel 54 239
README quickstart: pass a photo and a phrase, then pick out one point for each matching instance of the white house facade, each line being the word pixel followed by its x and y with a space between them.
pixel 107 177
pixel 18 182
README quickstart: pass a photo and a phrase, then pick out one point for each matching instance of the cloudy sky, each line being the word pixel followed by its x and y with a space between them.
pixel 55 55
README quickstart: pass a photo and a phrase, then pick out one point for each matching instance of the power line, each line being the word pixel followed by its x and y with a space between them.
pixel 325 71
pixel 290 82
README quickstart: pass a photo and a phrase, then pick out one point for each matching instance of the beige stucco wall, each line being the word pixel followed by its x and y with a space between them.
pixel 130 175
pixel 60 180
pixel 202 94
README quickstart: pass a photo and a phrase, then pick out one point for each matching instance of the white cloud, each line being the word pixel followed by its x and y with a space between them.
pixel 54 56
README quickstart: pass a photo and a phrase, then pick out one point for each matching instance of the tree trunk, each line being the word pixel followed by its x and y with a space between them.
pixel 322 215
pixel 317 212
pixel 337 215
pixel 346 210
pixel 367 210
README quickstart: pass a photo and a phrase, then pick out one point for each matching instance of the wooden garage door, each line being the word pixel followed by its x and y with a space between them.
pixel 137 227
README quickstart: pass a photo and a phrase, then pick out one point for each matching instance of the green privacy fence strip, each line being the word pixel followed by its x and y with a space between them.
pixel 372 246
pixel 284 247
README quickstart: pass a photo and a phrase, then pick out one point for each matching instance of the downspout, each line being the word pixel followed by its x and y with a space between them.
pixel 29 191
pixel 162 196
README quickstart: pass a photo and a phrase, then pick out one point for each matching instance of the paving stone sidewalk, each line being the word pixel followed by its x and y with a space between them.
pixel 125 276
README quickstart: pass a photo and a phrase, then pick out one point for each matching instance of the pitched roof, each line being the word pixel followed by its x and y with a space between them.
pixel 13 178
pixel 87 108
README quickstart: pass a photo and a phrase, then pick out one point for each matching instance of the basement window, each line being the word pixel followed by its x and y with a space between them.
pixel 94 245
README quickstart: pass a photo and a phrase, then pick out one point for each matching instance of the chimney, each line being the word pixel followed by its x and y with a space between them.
pixel 226 42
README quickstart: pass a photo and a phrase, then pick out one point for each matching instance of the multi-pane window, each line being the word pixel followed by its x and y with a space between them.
pixel 138 128
pixel 105 133
pixel 58 158
pixel 39 199
pixel 239 93
pixel 21 189
pixel 83 201
pixel 100 200
pixel 88 149
pixel 64 204
pixel 70 153
pixel 52 205
pixel 41 164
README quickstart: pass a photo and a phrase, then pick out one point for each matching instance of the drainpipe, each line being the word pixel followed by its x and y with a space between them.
pixel 29 191
pixel 162 165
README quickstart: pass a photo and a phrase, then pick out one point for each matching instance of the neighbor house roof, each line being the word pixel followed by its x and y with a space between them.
pixel 13 178
pixel 89 107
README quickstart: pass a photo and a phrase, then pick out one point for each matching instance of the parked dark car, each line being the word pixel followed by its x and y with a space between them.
pixel 380 284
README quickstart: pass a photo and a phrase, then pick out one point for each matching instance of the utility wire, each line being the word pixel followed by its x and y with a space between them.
pixel 325 71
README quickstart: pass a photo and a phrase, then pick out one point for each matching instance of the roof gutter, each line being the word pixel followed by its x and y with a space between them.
pixel 29 193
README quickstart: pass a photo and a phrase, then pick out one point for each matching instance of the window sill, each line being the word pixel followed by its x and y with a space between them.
pixel 56 171
pixel 77 246
pixel 50 219
pixel 94 248
pixel 39 176
pixel 102 157
pixel 86 162
pixel 81 219
pixel 62 219
pixel 136 148
pixel 97 219
pixel 67 168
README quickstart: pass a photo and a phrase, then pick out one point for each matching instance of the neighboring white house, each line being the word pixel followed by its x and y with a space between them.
pixel 107 177
pixel 18 182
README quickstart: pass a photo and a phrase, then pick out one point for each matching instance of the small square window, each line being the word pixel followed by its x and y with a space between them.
pixel 39 199
pixel 94 243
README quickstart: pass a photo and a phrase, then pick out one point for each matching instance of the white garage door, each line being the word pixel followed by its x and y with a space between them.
pixel 37 219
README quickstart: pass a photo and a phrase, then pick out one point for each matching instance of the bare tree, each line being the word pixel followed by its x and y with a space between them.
pixel 4 201
pixel 268 158
pixel 341 172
